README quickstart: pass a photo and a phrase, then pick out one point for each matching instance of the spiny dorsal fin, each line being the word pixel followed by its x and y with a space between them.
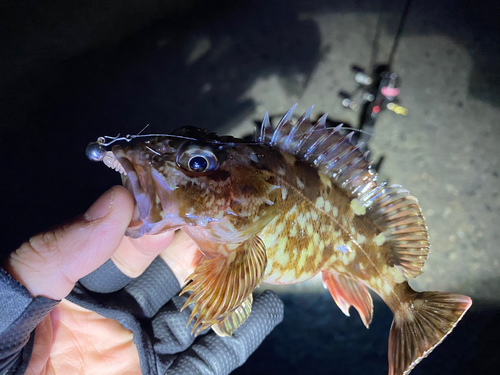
pixel 395 212
pixel 326 149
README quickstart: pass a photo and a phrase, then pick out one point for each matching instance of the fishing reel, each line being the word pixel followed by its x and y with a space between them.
pixel 375 93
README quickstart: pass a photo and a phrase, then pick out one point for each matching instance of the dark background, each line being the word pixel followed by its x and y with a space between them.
pixel 72 72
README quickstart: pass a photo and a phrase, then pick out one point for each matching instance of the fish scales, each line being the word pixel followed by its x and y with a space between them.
pixel 298 200
pixel 317 230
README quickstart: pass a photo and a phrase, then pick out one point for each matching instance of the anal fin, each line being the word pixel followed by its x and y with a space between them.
pixel 346 292
pixel 235 319
pixel 221 285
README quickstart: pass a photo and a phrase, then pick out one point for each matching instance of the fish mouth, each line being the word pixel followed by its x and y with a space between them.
pixel 139 179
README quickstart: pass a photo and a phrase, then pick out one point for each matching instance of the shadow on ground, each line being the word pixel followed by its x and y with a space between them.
pixel 316 338
pixel 48 118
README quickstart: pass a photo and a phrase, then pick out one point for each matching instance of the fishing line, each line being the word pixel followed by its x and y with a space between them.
pixel 402 22
pixel 109 140
pixel 378 28
pixel 376 37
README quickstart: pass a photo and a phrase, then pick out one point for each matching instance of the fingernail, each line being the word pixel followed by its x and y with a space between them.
pixel 100 208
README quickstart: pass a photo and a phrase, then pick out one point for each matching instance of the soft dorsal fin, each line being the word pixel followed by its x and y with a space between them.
pixel 393 210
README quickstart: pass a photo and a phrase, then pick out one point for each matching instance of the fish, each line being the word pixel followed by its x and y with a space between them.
pixel 298 200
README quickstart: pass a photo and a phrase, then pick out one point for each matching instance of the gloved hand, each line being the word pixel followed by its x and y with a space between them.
pixel 121 318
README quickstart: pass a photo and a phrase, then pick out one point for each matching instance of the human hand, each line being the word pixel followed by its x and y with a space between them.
pixel 133 288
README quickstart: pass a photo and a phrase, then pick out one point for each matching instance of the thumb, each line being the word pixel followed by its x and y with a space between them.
pixel 50 263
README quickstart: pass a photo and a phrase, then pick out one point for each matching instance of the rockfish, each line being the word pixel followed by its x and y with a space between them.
pixel 298 200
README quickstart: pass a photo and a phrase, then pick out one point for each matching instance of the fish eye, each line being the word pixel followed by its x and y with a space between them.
pixel 198 164
pixel 197 158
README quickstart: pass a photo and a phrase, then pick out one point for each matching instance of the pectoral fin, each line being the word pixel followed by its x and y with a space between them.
pixel 348 292
pixel 235 319
pixel 221 285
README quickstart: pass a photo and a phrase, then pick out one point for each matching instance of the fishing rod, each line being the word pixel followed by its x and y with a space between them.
pixel 377 90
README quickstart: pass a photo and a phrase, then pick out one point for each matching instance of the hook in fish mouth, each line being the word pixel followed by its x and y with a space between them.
pixel 155 209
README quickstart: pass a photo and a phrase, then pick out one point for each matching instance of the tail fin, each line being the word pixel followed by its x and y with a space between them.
pixel 420 325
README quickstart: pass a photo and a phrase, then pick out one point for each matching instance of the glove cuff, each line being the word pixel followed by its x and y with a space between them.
pixel 21 313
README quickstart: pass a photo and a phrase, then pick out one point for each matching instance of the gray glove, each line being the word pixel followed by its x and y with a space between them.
pixel 20 314
pixel 149 307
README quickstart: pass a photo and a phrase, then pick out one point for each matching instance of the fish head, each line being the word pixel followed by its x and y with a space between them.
pixel 194 178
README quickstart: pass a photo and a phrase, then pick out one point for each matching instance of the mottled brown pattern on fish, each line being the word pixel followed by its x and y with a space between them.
pixel 314 227
pixel 318 230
